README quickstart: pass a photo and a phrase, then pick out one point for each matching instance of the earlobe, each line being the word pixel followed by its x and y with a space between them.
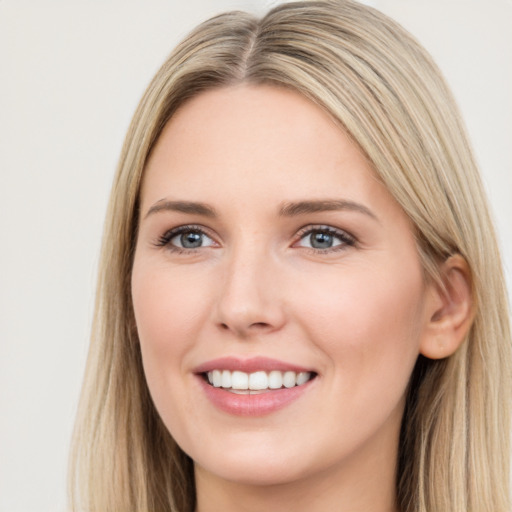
pixel 450 310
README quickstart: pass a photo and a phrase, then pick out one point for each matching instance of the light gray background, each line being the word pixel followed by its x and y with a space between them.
pixel 71 74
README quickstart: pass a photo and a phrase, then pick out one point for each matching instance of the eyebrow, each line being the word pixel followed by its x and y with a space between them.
pixel 289 209
pixel 182 206
pixel 305 207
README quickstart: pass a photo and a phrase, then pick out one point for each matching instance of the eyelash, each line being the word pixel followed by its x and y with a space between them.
pixel 346 239
pixel 165 239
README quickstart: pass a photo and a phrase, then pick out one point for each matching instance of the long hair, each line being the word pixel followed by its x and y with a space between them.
pixel 383 89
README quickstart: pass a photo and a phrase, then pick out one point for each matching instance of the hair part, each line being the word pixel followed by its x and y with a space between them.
pixel 383 89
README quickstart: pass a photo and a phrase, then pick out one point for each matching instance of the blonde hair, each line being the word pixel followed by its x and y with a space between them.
pixel 382 87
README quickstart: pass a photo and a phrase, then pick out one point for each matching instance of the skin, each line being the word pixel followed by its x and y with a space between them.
pixel 358 314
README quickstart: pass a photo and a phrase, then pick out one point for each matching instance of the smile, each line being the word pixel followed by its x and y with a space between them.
pixel 256 382
pixel 253 387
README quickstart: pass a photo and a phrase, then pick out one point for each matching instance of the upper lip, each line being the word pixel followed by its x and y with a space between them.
pixel 250 365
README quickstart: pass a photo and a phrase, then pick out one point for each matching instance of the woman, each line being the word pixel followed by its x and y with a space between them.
pixel 300 304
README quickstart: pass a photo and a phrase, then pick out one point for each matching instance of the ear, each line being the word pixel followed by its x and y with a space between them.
pixel 450 310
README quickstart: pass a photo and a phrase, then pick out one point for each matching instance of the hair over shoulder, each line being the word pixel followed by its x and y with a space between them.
pixel 384 90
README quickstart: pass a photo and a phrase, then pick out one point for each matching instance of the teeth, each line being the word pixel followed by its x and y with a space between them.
pixel 215 378
pixel 239 380
pixel 226 379
pixel 275 380
pixel 289 379
pixel 256 381
pixel 302 378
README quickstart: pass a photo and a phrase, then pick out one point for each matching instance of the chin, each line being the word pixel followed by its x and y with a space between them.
pixel 249 458
pixel 264 471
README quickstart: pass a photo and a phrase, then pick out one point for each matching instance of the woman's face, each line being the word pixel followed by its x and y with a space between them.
pixel 270 256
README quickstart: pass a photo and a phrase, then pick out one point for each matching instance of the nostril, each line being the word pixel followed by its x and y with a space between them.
pixel 259 325
pixel 253 327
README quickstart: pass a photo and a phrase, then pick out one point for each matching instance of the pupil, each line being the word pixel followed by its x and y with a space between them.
pixel 191 240
pixel 321 240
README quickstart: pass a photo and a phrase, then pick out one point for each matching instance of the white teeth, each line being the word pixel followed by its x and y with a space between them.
pixel 289 379
pixel 275 380
pixel 226 379
pixel 216 378
pixel 239 380
pixel 256 381
pixel 302 378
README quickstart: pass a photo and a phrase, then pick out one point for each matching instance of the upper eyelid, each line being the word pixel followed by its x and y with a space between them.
pixel 318 227
pixel 169 234
pixel 324 227
pixel 188 227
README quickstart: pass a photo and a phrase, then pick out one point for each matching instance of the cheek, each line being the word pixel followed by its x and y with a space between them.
pixel 368 322
pixel 168 313
pixel 167 307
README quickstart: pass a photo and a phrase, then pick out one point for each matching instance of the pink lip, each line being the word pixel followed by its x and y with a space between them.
pixel 253 405
pixel 250 405
pixel 253 364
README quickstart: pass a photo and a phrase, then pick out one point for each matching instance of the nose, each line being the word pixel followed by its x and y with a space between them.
pixel 250 301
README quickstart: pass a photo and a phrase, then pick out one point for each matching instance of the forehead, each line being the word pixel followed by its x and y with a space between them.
pixel 251 142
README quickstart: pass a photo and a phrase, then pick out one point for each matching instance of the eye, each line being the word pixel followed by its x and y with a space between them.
pixel 185 238
pixel 324 238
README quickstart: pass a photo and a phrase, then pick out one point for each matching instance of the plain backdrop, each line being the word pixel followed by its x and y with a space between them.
pixel 71 74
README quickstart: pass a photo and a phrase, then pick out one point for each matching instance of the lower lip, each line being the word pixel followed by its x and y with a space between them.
pixel 253 405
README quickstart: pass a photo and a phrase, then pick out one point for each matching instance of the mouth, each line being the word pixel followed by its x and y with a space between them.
pixel 256 382
pixel 256 387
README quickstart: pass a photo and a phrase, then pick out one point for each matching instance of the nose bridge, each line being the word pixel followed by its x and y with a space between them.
pixel 249 299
